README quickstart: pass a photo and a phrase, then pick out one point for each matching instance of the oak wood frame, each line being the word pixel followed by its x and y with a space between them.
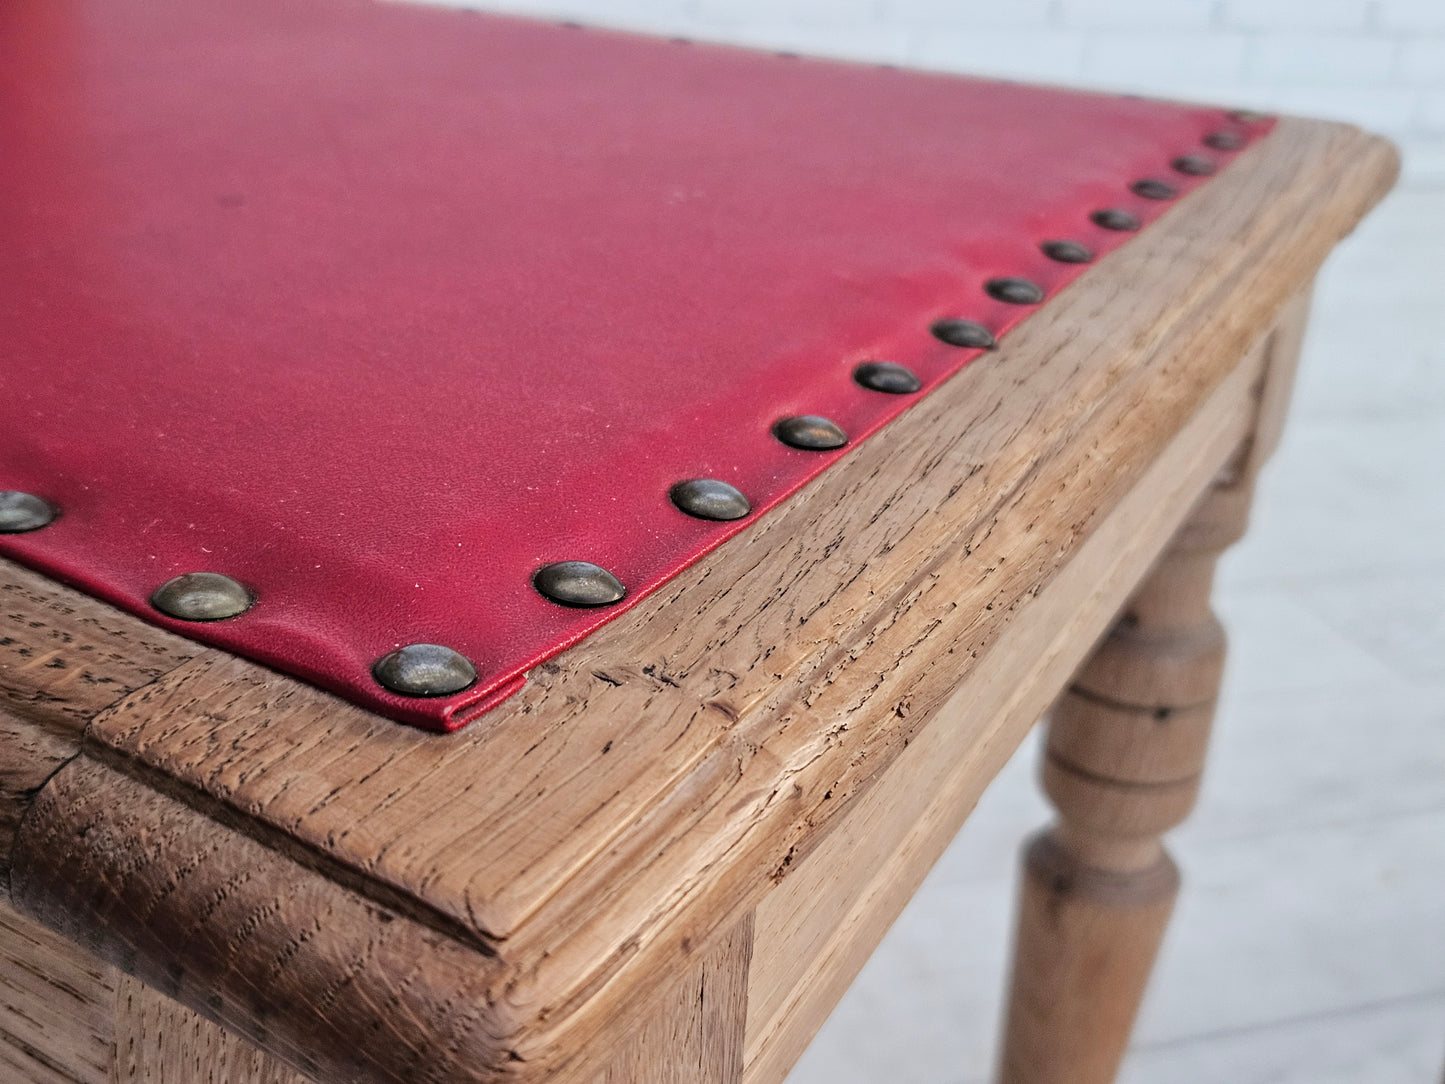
pixel 722 798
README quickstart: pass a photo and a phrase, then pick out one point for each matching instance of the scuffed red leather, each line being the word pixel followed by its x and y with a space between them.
pixel 378 308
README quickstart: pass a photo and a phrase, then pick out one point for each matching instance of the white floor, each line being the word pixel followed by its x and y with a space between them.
pixel 1308 946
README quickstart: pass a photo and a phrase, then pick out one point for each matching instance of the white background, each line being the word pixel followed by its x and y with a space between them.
pixel 1379 63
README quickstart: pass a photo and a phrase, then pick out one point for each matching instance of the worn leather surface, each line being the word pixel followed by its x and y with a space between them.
pixel 378 308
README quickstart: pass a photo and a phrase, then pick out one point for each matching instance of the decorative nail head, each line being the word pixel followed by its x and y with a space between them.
pixel 578 583
pixel 1224 141
pixel 1194 165
pixel 1115 218
pixel 1014 291
pixel 1067 252
pixel 202 596
pixel 21 512
pixel 424 670
pixel 964 333
pixel 709 498
pixel 1152 188
pixel 887 377
pixel 810 432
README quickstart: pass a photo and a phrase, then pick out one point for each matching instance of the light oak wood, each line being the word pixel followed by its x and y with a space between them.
pixel 1125 751
pixel 543 877
pixel 695 1035
pixel 817 928
pixel 33 752
pixel 57 1006
pixel 158 1041
pixel 692 1033
pixel 1287 339
pixel 1098 888
pixel 68 1017
pixel 63 658
pixel 1087 937
pixel 220 922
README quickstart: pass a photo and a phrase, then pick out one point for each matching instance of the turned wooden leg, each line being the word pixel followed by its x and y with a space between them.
pixel 1126 746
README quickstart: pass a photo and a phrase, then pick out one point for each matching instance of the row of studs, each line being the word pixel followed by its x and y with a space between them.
pixel 429 670
pixel 582 583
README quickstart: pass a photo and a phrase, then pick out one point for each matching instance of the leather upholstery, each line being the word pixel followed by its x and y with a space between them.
pixel 379 308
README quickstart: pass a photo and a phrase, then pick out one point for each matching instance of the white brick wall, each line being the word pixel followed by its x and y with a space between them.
pixel 1379 63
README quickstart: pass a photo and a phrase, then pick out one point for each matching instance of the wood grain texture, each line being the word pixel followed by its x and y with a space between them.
pixel 63 658
pixel 1284 351
pixel 57 1007
pixel 329 982
pixel 817 928
pixel 62 1009
pixel 31 754
pixel 67 1017
pixel 1087 938
pixel 695 1036
pixel 1124 756
pixel 158 1041
pixel 648 787
pixel 690 1032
